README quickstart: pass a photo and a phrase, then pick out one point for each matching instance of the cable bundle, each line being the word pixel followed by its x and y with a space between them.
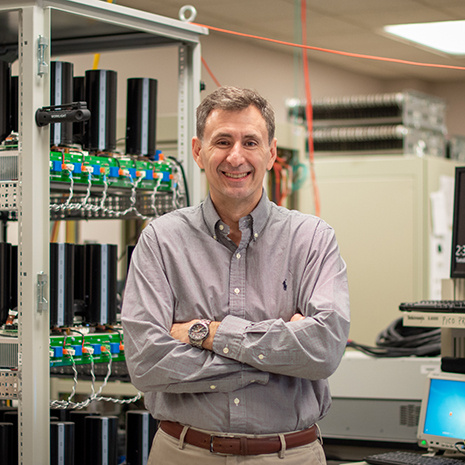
pixel 400 341
pixel 94 396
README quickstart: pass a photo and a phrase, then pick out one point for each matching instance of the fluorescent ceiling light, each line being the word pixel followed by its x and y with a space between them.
pixel 446 36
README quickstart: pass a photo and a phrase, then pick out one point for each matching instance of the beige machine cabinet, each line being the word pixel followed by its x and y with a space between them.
pixel 379 208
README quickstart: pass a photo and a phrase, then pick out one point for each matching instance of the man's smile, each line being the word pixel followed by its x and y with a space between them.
pixel 236 175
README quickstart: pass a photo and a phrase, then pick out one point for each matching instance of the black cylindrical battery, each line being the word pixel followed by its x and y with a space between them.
pixel 12 417
pixel 101 440
pixel 79 95
pixel 61 284
pixel 5 91
pixel 101 282
pixel 79 282
pixel 5 281
pixel 61 443
pixel 7 430
pixel 100 129
pixel 14 277
pixel 59 414
pixel 78 417
pixel 140 430
pixel 4 409
pixel 61 92
pixel 141 117
pixel 14 103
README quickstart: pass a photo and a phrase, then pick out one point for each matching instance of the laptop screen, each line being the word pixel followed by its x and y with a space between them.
pixel 442 416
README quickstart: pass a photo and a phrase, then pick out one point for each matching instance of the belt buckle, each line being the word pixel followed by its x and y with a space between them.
pixel 220 436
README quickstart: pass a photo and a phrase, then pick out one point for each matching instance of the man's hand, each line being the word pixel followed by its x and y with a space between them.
pixel 179 331
pixel 297 317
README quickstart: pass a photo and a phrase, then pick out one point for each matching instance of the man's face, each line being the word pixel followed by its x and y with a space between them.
pixel 235 154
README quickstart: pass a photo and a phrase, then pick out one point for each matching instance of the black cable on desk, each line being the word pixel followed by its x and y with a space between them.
pixel 398 340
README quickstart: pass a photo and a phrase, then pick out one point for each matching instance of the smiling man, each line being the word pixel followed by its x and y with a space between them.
pixel 236 311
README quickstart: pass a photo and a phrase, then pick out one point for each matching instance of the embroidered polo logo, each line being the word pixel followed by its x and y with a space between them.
pixel 285 284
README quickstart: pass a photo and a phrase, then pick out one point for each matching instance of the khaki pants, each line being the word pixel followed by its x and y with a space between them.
pixel 166 451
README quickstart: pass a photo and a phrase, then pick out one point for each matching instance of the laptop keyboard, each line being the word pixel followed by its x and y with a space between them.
pixel 440 306
pixel 411 458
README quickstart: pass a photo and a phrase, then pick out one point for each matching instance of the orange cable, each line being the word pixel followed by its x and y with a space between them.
pixel 336 52
pixel 210 73
pixel 308 108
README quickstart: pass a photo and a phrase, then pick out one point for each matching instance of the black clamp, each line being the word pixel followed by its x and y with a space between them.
pixel 75 112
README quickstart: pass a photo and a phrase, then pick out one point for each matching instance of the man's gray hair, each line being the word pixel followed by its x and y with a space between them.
pixel 235 99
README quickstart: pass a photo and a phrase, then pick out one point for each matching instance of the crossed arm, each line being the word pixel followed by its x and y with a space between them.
pixel 161 359
pixel 179 331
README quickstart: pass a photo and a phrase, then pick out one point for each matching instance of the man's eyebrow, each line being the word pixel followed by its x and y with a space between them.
pixel 228 134
pixel 222 134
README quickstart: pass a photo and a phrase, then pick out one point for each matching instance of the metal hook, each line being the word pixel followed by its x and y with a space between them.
pixel 187 9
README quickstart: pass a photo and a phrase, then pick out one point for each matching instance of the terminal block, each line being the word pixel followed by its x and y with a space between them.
pixel 121 172
pixel 80 350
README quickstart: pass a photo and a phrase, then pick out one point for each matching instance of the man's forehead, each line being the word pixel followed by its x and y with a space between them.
pixel 219 118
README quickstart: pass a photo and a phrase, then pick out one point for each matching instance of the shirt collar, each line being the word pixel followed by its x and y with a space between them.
pixel 259 215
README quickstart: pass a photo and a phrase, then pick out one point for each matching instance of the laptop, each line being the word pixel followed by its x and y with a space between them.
pixel 441 426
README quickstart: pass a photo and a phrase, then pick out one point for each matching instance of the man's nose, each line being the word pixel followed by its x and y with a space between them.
pixel 235 156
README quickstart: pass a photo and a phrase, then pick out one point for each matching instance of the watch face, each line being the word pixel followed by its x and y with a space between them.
pixel 198 331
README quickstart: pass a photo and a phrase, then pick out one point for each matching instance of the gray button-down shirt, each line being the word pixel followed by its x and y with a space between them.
pixel 265 373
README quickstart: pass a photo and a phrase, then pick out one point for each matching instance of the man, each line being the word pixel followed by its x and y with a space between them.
pixel 236 311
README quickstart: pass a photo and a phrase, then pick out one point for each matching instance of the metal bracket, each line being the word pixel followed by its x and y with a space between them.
pixel 42 67
pixel 42 303
pixel 8 384
pixel 74 112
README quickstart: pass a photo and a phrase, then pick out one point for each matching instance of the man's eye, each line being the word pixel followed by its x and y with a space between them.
pixel 251 143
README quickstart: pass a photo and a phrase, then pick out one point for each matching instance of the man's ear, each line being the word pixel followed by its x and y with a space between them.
pixel 273 154
pixel 196 147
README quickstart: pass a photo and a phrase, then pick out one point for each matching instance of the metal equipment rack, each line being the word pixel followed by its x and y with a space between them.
pixel 29 29
pixel 394 123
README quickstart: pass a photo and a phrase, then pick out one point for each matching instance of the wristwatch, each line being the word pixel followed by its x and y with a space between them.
pixel 198 332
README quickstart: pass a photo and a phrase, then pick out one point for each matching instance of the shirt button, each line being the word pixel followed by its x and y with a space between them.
pixel 261 356
pixel 225 350
pixel 238 256
pixel 255 235
pixel 221 227
pixel 212 386
pixel 237 290
pixel 214 237
pixel 237 401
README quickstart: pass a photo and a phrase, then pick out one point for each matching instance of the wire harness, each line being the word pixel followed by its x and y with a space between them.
pixel 94 396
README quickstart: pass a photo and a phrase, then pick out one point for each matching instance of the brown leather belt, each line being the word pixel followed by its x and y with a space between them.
pixel 221 444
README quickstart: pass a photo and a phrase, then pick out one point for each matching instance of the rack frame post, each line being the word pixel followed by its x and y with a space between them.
pixel 33 239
